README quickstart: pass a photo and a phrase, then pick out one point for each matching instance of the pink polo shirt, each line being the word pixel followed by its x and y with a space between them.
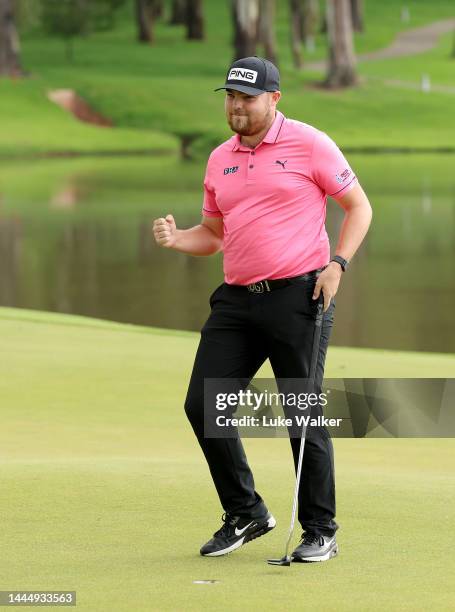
pixel 273 200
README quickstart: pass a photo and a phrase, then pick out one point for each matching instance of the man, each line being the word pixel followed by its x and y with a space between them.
pixel 265 193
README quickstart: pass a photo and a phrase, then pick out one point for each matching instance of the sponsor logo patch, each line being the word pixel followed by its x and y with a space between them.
pixel 243 74
pixel 231 170
pixel 343 176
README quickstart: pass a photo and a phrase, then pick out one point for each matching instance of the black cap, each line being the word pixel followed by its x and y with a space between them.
pixel 252 75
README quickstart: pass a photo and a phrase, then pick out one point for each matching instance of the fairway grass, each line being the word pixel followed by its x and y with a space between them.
pixel 105 490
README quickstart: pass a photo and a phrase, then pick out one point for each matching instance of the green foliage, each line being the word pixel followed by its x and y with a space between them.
pixel 169 87
pixel 68 19
pixel 64 18
pixel 28 15
pixel 102 14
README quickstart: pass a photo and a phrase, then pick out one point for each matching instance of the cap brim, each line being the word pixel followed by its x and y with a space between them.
pixel 243 88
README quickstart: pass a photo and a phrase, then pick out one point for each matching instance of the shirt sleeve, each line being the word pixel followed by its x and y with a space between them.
pixel 330 169
pixel 209 206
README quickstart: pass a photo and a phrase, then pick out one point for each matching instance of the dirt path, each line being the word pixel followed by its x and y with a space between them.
pixel 410 42
pixel 70 101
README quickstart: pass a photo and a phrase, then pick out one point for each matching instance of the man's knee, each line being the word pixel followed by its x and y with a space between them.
pixel 194 408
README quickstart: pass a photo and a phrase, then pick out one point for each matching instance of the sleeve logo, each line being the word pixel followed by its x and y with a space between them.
pixel 343 176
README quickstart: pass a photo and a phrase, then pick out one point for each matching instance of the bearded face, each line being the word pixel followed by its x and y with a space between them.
pixel 248 115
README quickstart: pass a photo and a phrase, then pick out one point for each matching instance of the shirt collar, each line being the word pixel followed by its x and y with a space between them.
pixel 271 136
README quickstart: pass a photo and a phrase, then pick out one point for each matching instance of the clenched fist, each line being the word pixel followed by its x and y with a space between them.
pixel 165 231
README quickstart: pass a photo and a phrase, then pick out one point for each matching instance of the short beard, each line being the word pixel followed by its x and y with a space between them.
pixel 243 131
pixel 248 130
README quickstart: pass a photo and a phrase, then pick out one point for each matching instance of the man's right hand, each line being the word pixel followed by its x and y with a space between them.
pixel 165 231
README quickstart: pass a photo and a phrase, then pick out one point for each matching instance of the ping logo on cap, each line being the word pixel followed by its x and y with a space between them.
pixel 243 74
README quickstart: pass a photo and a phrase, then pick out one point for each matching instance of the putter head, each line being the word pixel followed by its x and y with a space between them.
pixel 286 560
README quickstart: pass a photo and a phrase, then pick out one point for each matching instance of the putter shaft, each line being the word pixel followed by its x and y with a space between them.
pixel 286 560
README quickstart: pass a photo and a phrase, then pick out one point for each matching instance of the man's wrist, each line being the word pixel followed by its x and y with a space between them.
pixel 334 265
pixel 176 238
pixel 340 261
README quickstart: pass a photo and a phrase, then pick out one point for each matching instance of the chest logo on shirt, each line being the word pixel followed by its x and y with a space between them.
pixel 282 163
pixel 343 176
pixel 231 170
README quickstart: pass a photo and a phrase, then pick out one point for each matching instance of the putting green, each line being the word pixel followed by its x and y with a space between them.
pixel 105 491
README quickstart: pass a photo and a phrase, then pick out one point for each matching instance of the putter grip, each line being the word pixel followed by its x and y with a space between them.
pixel 316 341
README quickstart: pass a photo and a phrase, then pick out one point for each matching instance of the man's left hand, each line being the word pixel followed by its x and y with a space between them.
pixel 328 282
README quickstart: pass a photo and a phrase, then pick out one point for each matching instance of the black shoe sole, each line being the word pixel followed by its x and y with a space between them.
pixel 259 531
pixel 262 530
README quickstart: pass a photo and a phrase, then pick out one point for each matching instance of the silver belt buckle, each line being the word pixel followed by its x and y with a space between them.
pixel 258 287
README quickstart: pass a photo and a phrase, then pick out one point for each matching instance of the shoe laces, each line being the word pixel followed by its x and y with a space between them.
pixel 229 521
pixel 309 538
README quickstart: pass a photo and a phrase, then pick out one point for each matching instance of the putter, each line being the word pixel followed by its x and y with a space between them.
pixel 286 560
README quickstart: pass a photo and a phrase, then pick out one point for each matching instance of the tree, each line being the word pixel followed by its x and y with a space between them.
pixel 10 64
pixel 147 11
pixel 296 17
pixel 342 60
pixel 178 12
pixel 245 14
pixel 304 16
pixel 69 19
pixel 101 14
pixel 157 8
pixel 357 15
pixel 266 29
pixel 144 21
pixel 65 19
pixel 194 20
pixel 27 15
pixel 309 24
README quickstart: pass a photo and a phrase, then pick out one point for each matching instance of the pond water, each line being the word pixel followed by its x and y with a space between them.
pixel 76 237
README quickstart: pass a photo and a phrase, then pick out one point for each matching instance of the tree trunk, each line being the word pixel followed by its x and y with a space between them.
pixel 296 16
pixel 323 27
pixel 342 60
pixel 245 16
pixel 9 42
pixel 144 20
pixel 309 23
pixel 69 50
pixel 156 8
pixel 357 15
pixel 194 20
pixel 178 12
pixel 266 29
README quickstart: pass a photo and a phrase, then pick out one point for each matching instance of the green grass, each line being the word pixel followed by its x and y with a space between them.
pixel 438 64
pixel 168 88
pixel 30 124
pixel 105 490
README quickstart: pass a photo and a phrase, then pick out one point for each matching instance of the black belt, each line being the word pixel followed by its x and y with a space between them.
pixel 275 283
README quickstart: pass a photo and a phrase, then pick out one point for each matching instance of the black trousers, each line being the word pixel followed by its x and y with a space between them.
pixel 242 331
